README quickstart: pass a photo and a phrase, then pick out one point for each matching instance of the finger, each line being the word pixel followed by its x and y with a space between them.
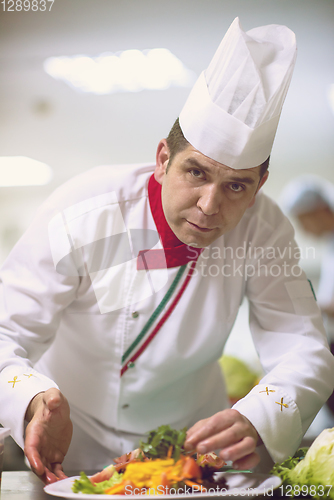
pixel 239 450
pixel 61 475
pixel 57 470
pixel 212 424
pixel 192 441
pixel 226 438
pixel 190 451
pixel 34 460
pixel 49 477
pixel 53 399
pixel 248 462
pixel 208 427
pixel 194 428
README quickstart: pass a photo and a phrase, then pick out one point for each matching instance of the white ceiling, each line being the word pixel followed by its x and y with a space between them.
pixel 47 120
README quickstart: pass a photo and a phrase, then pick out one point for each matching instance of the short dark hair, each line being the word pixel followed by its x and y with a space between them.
pixel 176 143
pixel 264 167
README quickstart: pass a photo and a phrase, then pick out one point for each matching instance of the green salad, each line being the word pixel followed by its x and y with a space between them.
pixel 84 485
pixel 310 472
pixel 160 440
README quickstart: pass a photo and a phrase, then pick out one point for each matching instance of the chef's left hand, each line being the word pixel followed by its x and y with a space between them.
pixel 227 431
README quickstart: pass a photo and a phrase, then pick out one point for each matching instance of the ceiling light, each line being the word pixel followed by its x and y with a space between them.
pixel 23 171
pixel 127 71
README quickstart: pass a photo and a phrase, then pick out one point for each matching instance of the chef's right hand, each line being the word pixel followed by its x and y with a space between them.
pixel 48 434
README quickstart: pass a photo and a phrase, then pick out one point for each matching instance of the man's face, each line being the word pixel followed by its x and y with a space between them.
pixel 318 222
pixel 201 198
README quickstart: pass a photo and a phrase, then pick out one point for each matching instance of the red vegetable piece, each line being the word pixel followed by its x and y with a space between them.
pixel 190 469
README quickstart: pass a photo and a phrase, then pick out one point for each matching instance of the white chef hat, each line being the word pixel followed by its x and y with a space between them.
pixel 232 112
pixel 306 193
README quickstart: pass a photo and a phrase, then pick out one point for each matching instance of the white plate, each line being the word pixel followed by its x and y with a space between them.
pixel 238 484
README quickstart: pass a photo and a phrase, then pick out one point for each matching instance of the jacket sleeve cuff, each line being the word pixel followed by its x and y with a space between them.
pixel 276 418
pixel 18 386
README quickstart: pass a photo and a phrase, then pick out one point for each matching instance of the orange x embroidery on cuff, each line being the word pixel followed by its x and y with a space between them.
pixel 267 391
pixel 14 381
pixel 282 404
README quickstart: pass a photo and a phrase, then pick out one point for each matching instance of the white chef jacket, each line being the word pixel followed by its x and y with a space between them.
pixel 74 303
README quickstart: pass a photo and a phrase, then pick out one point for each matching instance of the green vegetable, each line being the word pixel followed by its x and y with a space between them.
pixel 314 472
pixel 282 470
pixel 160 440
pixel 84 485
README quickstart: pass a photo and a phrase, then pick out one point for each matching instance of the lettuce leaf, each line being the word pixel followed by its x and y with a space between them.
pixel 160 440
pixel 311 472
pixel 84 484
pixel 282 470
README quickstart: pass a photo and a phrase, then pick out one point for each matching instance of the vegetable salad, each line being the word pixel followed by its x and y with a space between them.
pixel 159 466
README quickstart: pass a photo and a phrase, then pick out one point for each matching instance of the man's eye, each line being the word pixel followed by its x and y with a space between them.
pixel 236 187
pixel 196 173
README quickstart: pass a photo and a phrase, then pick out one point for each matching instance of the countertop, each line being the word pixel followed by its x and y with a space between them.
pixel 22 485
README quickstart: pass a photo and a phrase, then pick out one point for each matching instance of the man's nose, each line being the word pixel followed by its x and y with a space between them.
pixel 210 199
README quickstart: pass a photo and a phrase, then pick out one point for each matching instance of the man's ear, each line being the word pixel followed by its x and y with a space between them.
pixel 162 158
pixel 262 181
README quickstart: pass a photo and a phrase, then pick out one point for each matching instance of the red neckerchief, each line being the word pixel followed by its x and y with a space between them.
pixel 174 253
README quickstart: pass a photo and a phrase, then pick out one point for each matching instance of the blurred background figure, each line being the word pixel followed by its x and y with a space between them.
pixel 309 200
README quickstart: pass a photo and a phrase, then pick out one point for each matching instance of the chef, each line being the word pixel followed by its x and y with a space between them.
pixel 119 298
pixel 309 199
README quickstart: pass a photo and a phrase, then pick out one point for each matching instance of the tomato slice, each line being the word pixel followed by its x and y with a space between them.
pixel 190 469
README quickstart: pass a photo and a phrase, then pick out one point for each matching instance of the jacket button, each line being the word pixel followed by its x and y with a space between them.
pixel 135 314
pixel 125 406
pixel 131 364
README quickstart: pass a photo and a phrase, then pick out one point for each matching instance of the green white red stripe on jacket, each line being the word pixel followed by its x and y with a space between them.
pixel 153 325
